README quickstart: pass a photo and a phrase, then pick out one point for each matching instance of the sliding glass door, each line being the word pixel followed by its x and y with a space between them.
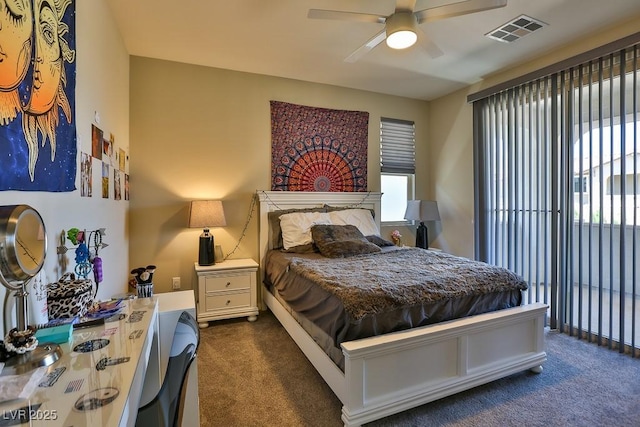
pixel 557 193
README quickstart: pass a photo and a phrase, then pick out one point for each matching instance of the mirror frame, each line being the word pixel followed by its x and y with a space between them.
pixel 15 220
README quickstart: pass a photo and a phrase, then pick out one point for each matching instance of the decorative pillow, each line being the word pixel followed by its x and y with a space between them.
pixel 329 208
pixel 379 241
pixel 340 241
pixel 274 223
pixel 302 249
pixel 296 227
pixel 361 218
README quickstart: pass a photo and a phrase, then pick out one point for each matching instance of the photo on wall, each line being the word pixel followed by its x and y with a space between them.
pixel 105 180
pixel 96 142
pixel 122 160
pixel 86 175
pixel 117 188
pixel 126 186
pixel 107 149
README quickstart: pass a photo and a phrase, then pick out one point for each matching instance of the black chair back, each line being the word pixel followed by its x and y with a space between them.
pixel 164 409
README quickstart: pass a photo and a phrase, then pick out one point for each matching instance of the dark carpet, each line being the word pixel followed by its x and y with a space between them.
pixel 253 374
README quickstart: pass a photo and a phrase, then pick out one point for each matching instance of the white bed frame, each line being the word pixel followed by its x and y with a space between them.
pixel 391 373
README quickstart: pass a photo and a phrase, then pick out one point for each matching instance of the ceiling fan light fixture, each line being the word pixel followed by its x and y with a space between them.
pixel 402 39
pixel 401 30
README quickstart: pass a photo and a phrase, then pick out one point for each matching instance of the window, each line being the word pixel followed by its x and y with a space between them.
pixel 614 183
pixel 396 191
pixel 604 152
pixel 579 184
pixel 397 167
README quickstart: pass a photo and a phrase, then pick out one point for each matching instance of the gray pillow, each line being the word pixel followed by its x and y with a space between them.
pixel 302 249
pixel 340 241
pixel 379 241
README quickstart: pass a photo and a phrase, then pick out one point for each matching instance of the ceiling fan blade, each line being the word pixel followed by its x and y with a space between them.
pixel 345 16
pixel 429 46
pixel 457 9
pixel 373 42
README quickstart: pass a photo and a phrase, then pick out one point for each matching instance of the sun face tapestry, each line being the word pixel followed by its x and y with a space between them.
pixel 37 95
pixel 318 149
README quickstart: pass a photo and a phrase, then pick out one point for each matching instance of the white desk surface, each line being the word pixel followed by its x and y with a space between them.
pixel 110 393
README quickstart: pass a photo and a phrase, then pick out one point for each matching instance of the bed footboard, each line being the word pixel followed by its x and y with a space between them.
pixel 391 373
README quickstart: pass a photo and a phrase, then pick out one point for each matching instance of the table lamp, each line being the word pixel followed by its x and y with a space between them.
pixel 206 214
pixel 422 210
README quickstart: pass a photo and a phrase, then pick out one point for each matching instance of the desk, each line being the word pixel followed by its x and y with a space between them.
pixel 99 378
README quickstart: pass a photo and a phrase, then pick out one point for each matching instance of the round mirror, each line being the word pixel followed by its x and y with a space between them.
pixel 23 244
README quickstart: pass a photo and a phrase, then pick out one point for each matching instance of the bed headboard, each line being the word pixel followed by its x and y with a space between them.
pixel 280 200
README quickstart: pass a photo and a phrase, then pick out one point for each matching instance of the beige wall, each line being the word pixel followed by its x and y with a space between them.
pixel 199 132
pixel 451 142
pixel 451 168
pixel 102 85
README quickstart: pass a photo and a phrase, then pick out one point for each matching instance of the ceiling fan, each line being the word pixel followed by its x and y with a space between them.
pixel 401 27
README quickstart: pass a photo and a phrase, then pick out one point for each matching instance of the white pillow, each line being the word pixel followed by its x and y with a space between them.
pixel 296 227
pixel 361 218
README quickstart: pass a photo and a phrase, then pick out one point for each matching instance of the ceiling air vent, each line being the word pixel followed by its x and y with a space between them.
pixel 516 29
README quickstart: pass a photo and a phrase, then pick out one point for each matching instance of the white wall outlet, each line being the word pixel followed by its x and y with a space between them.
pixel 175 283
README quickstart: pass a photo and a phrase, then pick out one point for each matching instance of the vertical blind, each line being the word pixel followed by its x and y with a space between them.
pixel 557 164
pixel 397 146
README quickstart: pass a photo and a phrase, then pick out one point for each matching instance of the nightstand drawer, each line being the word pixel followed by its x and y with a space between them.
pixel 225 301
pixel 228 282
pixel 227 289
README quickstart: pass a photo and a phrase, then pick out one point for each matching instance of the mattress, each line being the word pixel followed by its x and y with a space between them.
pixel 338 300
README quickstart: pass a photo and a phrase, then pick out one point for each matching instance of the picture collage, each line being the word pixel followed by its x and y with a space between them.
pixel 113 161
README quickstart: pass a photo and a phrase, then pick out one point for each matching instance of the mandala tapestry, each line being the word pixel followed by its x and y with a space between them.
pixel 318 149
pixel 37 95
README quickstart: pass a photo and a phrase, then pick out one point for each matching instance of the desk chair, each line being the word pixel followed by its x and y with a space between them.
pixel 164 409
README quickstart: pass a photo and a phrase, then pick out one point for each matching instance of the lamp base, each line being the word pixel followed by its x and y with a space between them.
pixel 422 236
pixel 205 253
pixel 43 355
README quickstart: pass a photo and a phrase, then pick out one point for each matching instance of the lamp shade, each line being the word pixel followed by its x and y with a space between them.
pixel 206 213
pixel 422 210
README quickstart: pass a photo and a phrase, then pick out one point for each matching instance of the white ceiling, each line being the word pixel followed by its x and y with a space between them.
pixel 275 37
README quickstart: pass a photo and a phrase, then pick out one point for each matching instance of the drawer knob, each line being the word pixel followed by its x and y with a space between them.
pixel 228 302
pixel 228 284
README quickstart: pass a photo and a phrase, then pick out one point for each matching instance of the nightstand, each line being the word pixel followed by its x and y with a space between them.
pixel 227 289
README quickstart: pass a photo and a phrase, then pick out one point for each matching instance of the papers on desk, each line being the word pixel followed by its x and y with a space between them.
pixel 104 309
pixel 58 322
pixel 20 386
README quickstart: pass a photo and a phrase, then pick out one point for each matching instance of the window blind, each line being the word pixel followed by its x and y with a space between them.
pixel 557 164
pixel 397 146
